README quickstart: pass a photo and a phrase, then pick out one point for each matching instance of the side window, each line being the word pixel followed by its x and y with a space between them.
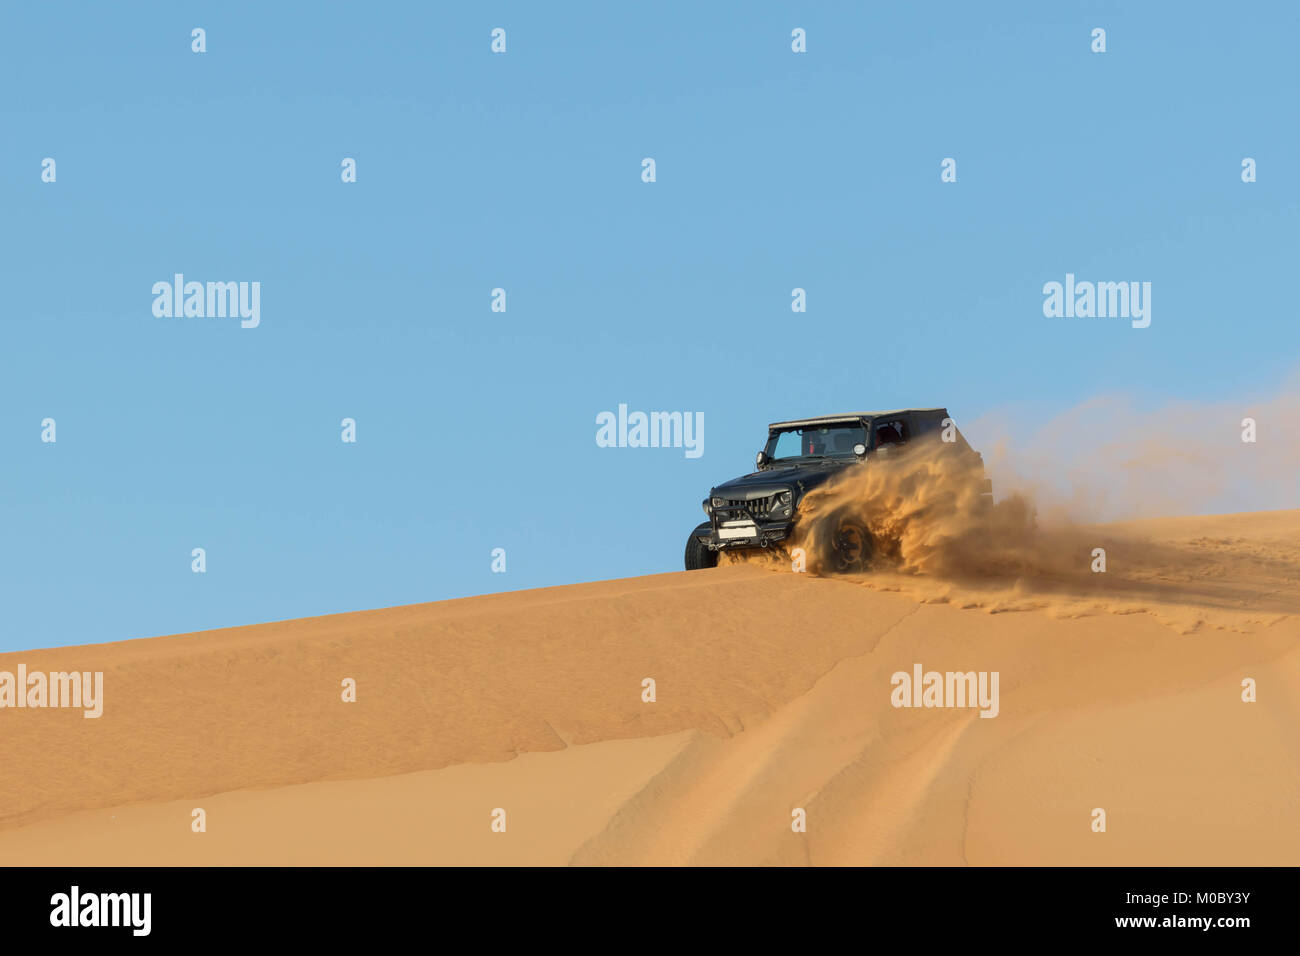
pixel 926 425
pixel 891 432
pixel 788 444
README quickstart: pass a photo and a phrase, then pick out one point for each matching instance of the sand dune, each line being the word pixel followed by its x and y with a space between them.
pixel 1120 691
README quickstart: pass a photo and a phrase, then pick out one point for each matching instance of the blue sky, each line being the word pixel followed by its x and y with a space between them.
pixel 476 429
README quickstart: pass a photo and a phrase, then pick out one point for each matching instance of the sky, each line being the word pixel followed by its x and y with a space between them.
pixel 523 170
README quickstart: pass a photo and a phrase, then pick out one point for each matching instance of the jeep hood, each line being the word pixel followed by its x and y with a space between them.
pixel 760 484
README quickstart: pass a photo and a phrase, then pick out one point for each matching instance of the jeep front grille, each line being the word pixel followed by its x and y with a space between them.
pixel 757 507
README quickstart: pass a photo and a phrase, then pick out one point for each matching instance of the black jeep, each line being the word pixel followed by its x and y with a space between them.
pixel 761 509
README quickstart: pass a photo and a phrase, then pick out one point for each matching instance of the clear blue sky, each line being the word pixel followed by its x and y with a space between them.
pixel 476 429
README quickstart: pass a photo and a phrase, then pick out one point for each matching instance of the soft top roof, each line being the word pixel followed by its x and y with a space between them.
pixel 853 416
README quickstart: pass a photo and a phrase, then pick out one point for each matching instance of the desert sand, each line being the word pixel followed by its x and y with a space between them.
pixel 1120 691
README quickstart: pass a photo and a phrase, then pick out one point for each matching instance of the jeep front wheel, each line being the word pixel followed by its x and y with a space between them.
pixel 848 548
pixel 697 553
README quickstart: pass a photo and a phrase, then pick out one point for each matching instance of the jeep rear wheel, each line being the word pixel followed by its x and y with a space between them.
pixel 698 555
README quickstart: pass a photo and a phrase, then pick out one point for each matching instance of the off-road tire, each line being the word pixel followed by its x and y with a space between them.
pixel 698 555
pixel 849 548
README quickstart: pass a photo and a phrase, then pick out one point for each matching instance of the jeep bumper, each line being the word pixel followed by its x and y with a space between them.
pixel 732 526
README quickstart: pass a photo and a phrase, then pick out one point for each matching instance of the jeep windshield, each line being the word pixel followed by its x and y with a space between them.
pixel 816 441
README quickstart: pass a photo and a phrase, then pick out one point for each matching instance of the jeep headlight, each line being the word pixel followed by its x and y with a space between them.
pixel 708 510
pixel 783 506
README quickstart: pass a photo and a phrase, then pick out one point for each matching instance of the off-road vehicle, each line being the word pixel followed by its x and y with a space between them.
pixel 761 509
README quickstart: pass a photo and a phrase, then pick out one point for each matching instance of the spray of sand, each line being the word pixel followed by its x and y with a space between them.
pixel 1115 458
pixel 924 513
pixel 1040 543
